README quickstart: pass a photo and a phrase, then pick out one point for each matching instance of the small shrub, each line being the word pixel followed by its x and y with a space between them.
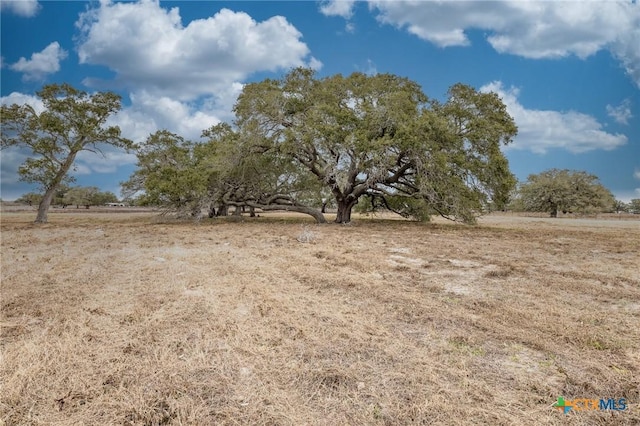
pixel 306 236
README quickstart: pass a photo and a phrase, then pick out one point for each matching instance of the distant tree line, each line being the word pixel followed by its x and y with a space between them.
pixel 304 144
pixel 634 206
pixel 79 196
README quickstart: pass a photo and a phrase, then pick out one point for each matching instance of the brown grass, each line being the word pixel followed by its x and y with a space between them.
pixel 125 319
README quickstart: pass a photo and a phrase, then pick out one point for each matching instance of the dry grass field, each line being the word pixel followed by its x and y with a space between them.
pixel 126 319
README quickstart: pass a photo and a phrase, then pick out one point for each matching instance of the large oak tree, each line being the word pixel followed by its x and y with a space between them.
pixel 380 136
pixel 72 121
pixel 224 171
pixel 243 173
pixel 565 190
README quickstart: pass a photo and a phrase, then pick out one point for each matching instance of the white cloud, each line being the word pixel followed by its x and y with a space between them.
pixel 541 130
pixel 625 195
pixel 89 163
pixel 622 113
pixel 12 158
pixel 149 48
pixel 149 112
pixel 627 48
pixel 343 8
pixel 41 63
pixel 532 29
pixel 371 68
pixel 636 174
pixel 314 63
pixel 22 99
pixel 25 8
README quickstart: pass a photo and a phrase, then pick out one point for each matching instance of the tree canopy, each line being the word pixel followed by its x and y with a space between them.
pixel 300 140
pixel 72 121
pixel 168 173
pixel 566 191
pixel 221 172
pixel 380 136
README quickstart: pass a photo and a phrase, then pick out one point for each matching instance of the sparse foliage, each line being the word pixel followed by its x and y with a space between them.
pixel 620 206
pixel 73 121
pixel 87 196
pixel 566 191
pixel 30 198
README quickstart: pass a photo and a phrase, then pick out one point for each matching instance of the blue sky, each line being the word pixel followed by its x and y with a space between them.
pixel 569 72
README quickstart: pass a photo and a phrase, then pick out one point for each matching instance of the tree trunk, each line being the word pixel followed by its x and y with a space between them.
pixel 223 210
pixel 344 210
pixel 315 213
pixel 554 211
pixel 43 207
